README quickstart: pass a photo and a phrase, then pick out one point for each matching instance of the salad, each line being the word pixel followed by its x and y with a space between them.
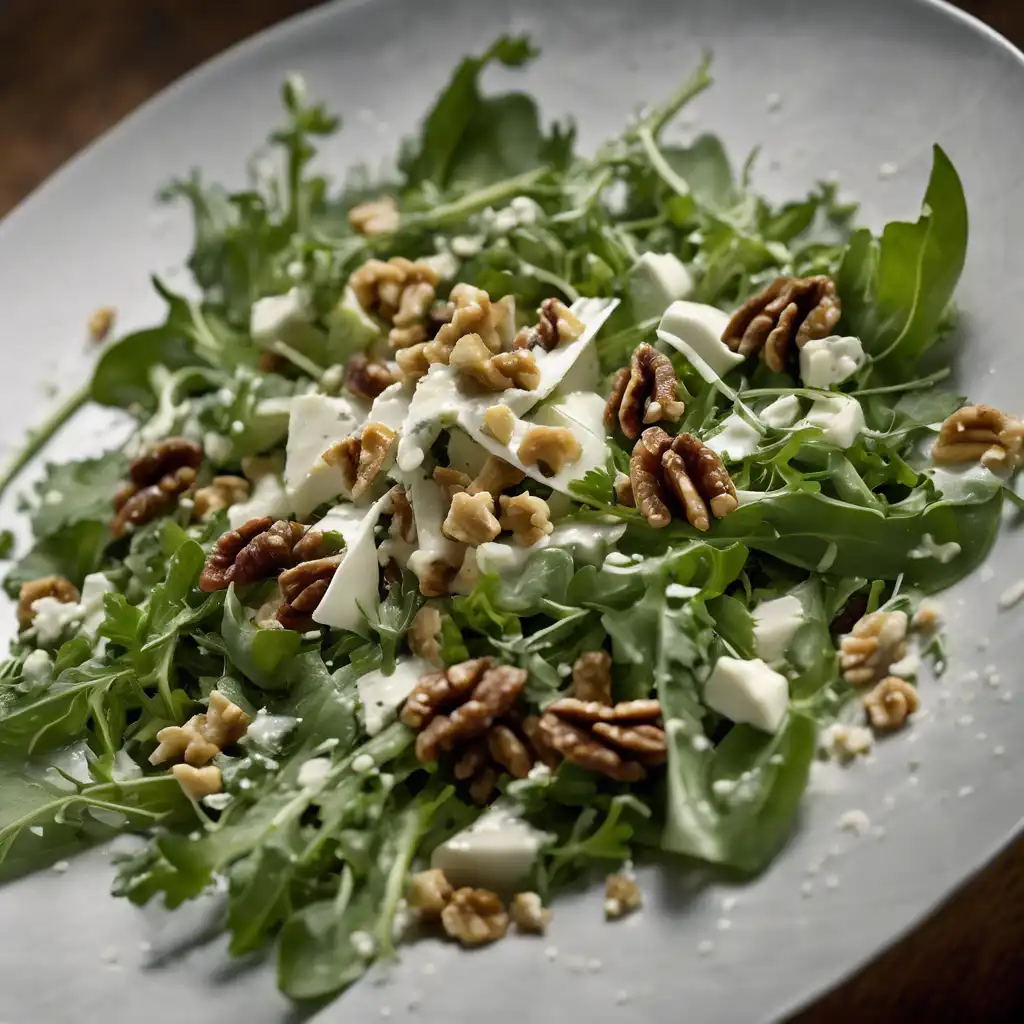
pixel 487 525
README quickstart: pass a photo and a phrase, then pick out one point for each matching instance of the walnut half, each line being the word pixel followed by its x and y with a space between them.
pixel 890 703
pixel 643 392
pixel 475 917
pixel 980 433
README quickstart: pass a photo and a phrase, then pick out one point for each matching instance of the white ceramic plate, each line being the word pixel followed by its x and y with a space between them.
pixel 861 85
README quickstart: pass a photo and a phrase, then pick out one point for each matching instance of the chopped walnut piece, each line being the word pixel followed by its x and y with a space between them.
pixel 413 362
pixel 471 519
pixel 623 488
pixel 377 217
pixel 259 549
pixel 423 635
pixel 475 312
pixel 362 458
pixel 198 782
pixel 551 449
pixel 500 421
pixel 303 587
pixel 436 578
pixel 643 392
pixel 790 309
pixel 592 677
pixel 621 741
pixel 846 741
pixel 101 322
pixel 621 896
pixel 452 480
pixel 890 703
pixel 493 371
pixel 400 292
pixel 203 736
pixel 528 517
pixel 680 469
pixel 980 433
pixel 469 709
pixel 495 476
pixel 519 368
pixel 157 479
pixel 403 521
pixel 556 325
pixel 222 492
pixel 874 643
pixel 366 378
pixel 58 587
pixel 928 617
pixel 474 917
pixel 529 913
pixel 428 893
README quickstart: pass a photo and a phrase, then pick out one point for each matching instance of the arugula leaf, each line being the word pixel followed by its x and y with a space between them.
pixel 70 492
pixel 259 654
pixel 74 552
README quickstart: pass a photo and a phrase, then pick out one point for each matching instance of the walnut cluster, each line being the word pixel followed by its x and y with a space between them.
pixel 400 292
pixel 58 587
pixel 469 711
pixel 302 588
pixel 480 328
pixel 642 393
pixel 621 741
pixel 471 518
pixel 260 549
pixel 791 310
pixel 203 736
pixel 157 480
pixel 980 433
pixel 550 449
pixel 556 325
pixel 870 648
pixel 526 516
pixel 680 472
pixel 361 458
pixel 473 917
pixel 497 371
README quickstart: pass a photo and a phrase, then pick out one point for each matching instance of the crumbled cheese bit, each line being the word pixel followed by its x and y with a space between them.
pixel 621 997
pixel 855 821
pixel 60 866
pixel 551 952
pixel 965 791
pixel 887 170
pixel 847 741
pixel 1011 595
pixel 773 101
pixel 362 763
pixel 998 751
pixel 705 947
pixel 807 890
pixel 831 881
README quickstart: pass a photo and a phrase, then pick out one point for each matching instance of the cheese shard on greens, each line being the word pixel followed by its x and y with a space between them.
pixel 381 695
pixel 439 401
pixel 316 422
pixel 268 498
pixel 353 589
pixel 775 625
pixel 736 440
pixel 271 316
pixel 693 327
pixel 839 418
pixel 828 361
pixel 747 692
pixel 429 508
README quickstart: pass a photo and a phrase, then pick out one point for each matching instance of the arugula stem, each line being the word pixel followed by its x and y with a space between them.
pixel 921 384
pixel 689 90
pixel 41 436
pixel 661 166
pixel 459 209
pixel 297 359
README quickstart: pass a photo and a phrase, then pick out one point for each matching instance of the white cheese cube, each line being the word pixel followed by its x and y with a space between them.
pixel 696 329
pixel 748 692
pixel 775 624
pixel 381 695
pixel 828 361
pixel 839 418
pixel 655 281
pixel 496 852
pixel 272 316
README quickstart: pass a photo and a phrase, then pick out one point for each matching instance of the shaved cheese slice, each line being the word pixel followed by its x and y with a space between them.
pixel 581 412
pixel 430 504
pixel 316 422
pixel 439 402
pixel 694 328
pixel 353 589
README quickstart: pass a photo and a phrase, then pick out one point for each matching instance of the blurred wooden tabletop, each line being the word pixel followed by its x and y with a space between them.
pixel 966 962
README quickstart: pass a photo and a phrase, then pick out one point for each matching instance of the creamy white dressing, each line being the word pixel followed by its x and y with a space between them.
pixel 381 695
pixel 931 548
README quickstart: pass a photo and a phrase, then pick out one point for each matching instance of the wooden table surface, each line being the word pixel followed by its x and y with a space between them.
pixel 64 78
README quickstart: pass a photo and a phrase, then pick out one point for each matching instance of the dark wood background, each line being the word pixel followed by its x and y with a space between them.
pixel 69 70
